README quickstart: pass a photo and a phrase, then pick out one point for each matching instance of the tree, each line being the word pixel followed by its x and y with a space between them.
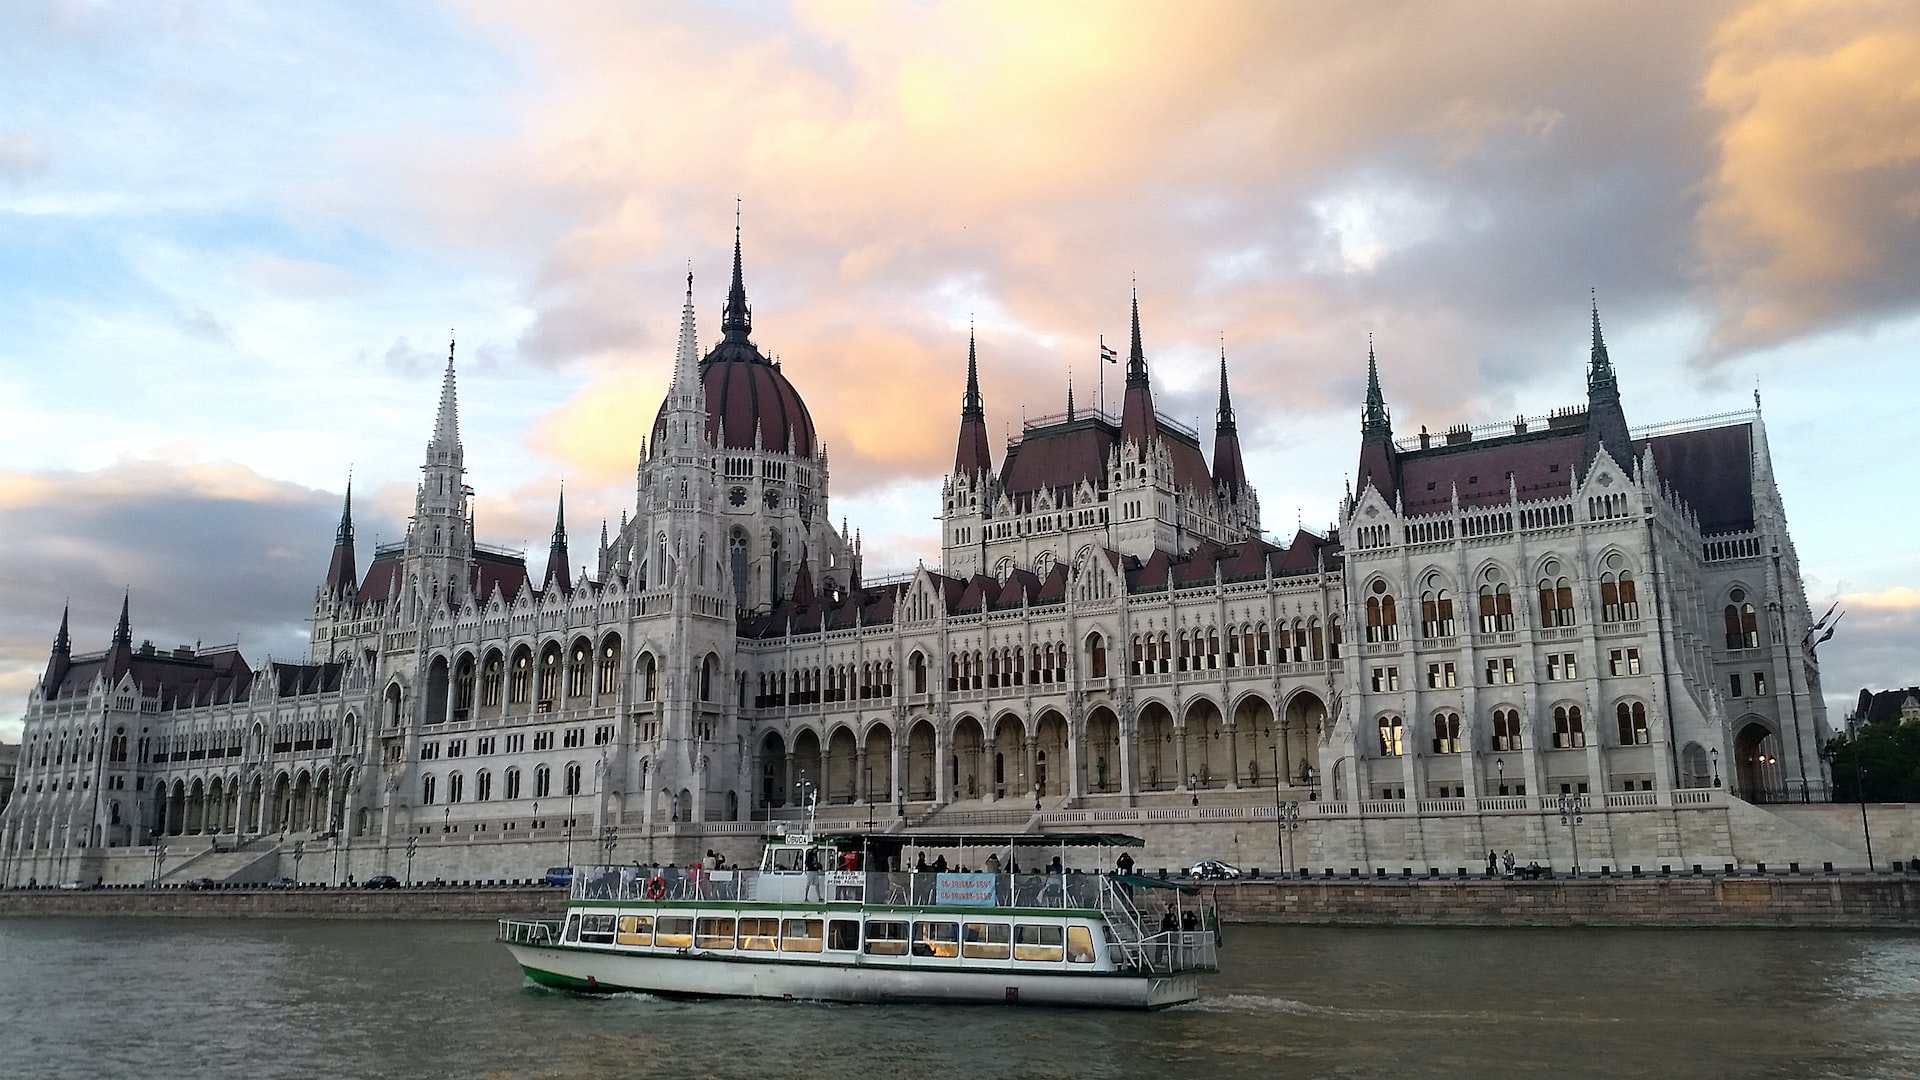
pixel 1887 754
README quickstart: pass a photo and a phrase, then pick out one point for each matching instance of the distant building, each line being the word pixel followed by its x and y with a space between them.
pixel 1885 707
pixel 9 767
pixel 1503 613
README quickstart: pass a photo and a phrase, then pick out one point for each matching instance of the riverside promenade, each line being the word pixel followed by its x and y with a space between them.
pixel 1705 900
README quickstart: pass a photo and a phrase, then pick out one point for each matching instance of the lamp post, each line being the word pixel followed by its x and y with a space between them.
pixel 1500 769
pixel 1193 787
pixel 446 820
pixel 1714 754
pixel 413 847
pixel 299 852
pixel 900 802
pixel 159 860
pixel 1860 782
pixel 573 790
pixel 609 839
pixel 869 794
pixel 1571 817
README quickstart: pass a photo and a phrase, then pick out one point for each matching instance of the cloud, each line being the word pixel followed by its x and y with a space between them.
pixel 206 326
pixel 1873 647
pixel 1813 214
pixel 22 157
pixel 208 552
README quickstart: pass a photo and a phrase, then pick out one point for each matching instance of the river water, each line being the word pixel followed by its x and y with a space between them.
pixel 285 998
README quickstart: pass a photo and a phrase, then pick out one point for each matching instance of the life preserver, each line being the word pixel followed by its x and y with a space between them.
pixel 656 888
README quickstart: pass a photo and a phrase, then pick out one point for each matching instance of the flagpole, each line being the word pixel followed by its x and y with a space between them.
pixel 1103 377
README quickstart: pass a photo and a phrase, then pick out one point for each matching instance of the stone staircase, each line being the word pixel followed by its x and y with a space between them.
pixel 253 862
pixel 1784 834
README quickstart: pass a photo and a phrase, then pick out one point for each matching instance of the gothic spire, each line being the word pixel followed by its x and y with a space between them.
pixel 557 572
pixel 60 659
pixel 446 426
pixel 341 574
pixel 1229 472
pixel 686 357
pixel 1375 422
pixel 737 320
pixel 1606 420
pixel 123 632
pixel 972 454
pixel 63 641
pixel 1137 421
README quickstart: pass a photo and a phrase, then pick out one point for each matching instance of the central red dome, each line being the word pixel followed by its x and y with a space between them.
pixel 747 395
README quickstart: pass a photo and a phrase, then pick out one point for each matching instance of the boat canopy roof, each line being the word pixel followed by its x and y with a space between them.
pixel 852 840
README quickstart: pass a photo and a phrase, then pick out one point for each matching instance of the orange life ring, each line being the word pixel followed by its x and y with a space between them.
pixel 656 888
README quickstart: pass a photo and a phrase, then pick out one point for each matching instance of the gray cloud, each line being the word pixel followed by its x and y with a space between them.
pixel 22 158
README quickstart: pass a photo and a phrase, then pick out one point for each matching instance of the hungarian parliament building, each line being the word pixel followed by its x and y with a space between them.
pixel 1504 613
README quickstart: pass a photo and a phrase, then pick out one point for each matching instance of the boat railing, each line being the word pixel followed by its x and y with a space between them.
pixel 900 888
pixel 1169 951
pixel 529 932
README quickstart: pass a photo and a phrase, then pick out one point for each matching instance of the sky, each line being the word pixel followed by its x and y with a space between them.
pixel 236 240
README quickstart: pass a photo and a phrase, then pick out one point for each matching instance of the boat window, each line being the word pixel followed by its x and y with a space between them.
pixel 636 930
pixel 988 941
pixel 1079 945
pixel 800 935
pixel 573 929
pixel 759 934
pixel 936 939
pixel 886 937
pixel 843 935
pixel 1031 942
pixel 673 932
pixel 596 929
pixel 784 858
pixel 715 934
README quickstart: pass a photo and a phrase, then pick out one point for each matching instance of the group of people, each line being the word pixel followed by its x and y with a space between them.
pixel 1504 866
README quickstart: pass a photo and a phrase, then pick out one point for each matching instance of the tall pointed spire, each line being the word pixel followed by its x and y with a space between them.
pixel 557 571
pixel 341 573
pixel 1229 472
pixel 60 659
pixel 1375 422
pixel 123 631
pixel 446 426
pixel 1137 420
pixel 1606 420
pixel 737 320
pixel 972 454
pixel 1379 461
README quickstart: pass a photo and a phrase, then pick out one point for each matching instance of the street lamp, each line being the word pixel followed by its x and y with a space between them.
pixel 609 839
pixel 413 847
pixel 446 820
pixel 1714 754
pixel 299 852
pixel 159 860
pixel 869 795
pixel 1860 782
pixel 1571 817
pixel 1500 767
pixel 1193 787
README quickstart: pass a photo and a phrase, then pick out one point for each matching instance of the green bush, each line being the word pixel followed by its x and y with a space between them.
pixel 1886 757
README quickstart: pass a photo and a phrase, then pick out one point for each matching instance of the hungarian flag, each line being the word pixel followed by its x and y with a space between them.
pixel 1107 354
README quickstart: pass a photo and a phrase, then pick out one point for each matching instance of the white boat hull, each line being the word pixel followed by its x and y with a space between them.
pixel 596 970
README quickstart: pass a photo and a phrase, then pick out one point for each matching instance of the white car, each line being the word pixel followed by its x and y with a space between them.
pixel 1214 870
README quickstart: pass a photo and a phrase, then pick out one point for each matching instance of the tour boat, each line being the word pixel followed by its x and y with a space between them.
pixel 818 921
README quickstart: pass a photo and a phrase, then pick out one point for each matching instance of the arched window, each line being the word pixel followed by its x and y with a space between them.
pixel 1382 617
pixel 426 790
pixel 549 676
pixel 573 778
pixel 520 689
pixel 456 787
pixel 917 663
pixel 513 783
pixel 1743 622
pixel 492 674
pixel 609 665
pixel 1446 733
pixel 737 558
pixel 579 669
pixel 1316 640
pixel 1633 723
pixel 463 687
pixel 1568 730
pixel 708 669
pixel 1096 656
pixel 1506 729
pixel 1335 638
pixel 1496 603
pixel 1556 597
pixel 482 786
pixel 1436 609
pixel 649 669
pixel 1391 731
pixel 542 781
pixel 1617 600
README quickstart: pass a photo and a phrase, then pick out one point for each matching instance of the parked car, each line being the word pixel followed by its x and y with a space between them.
pixel 1213 870
pixel 201 883
pixel 281 883
pixel 383 881
pixel 559 876
pixel 74 885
